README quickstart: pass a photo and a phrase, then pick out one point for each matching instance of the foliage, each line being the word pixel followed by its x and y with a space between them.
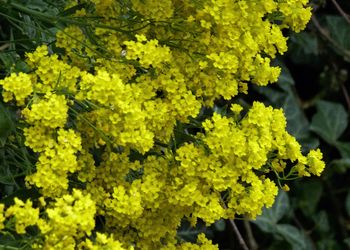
pixel 318 81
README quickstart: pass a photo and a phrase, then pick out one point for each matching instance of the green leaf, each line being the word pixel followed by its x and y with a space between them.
pixel 309 194
pixel 344 148
pixel 287 99
pixel 9 242
pixel 6 124
pixel 347 242
pixel 285 79
pixel 347 203
pixel 303 47
pixel 267 222
pixel 188 233
pixel 328 244
pixel 22 194
pixel 321 221
pixel 330 121
pixel 340 165
pixel 280 207
pixel 278 245
pixel 297 123
pixel 339 30
pixel 293 236
pixel 220 225
pixel 8 59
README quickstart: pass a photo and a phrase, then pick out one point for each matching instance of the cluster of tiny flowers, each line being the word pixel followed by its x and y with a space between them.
pixel 102 121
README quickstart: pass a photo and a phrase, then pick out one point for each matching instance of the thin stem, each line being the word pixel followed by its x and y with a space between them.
pixel 4 46
pixel 346 16
pixel 55 19
pixel 102 134
pixel 346 95
pixel 251 240
pixel 236 230
pixel 239 236
pixel 25 154
pixel 326 35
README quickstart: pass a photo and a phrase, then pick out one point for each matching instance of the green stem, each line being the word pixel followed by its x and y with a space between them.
pixel 102 134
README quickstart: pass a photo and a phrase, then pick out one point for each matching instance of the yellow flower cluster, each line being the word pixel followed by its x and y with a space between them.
pixel 71 217
pixel 203 244
pixel 25 215
pixel 158 10
pixel 149 53
pixel 50 111
pixel 103 120
pixel 103 242
pixel 18 86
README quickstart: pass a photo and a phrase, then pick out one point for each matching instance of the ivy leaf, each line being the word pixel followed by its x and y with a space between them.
pixel 330 121
pixel 267 222
pixel 287 99
pixel 297 123
pixel 309 194
pixel 220 225
pixel 339 30
pixel 285 79
pixel 293 236
pixel 326 244
pixel 321 221
pixel 344 149
pixel 303 48
pixel 340 165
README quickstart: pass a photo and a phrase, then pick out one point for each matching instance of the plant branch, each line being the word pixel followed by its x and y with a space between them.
pixel 340 10
pixel 236 230
pixel 251 240
pixel 238 234
pixel 5 46
pixel 326 35
pixel 346 95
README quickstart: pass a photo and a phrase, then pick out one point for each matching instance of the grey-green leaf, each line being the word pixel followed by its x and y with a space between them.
pixel 267 222
pixel 293 236
pixel 321 221
pixel 339 30
pixel 344 148
pixel 220 225
pixel 330 121
pixel 309 193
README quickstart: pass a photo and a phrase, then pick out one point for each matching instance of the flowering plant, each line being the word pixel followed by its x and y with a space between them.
pixel 120 115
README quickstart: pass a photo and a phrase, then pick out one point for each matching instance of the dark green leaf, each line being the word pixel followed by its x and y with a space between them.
pixel 293 236
pixel 220 225
pixel 309 194
pixel 339 30
pixel 321 221
pixel 340 165
pixel 303 47
pixel 328 244
pixel 347 242
pixel 330 121
pixel 344 149
pixel 285 79
pixel 347 203
pixel 278 245
pixel 267 222
pixel 6 124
